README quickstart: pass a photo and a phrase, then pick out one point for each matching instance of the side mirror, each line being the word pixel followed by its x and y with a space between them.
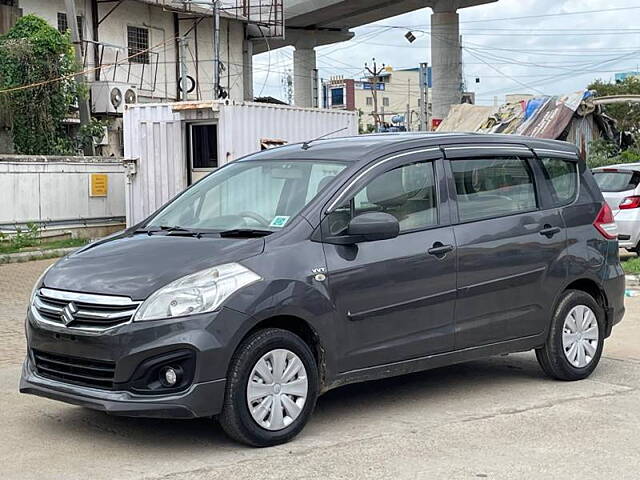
pixel 373 226
pixel 368 227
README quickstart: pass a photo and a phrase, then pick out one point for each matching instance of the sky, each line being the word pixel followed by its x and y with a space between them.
pixel 555 52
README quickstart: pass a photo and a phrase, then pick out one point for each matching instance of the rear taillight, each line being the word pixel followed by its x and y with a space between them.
pixel 605 223
pixel 630 202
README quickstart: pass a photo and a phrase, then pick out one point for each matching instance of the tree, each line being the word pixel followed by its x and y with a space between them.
pixel 626 115
pixel 31 53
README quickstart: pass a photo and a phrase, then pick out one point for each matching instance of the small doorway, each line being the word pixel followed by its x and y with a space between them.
pixel 202 150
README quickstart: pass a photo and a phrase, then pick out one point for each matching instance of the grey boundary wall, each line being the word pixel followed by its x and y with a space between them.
pixel 54 192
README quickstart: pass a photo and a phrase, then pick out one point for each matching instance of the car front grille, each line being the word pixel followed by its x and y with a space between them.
pixel 82 311
pixel 79 371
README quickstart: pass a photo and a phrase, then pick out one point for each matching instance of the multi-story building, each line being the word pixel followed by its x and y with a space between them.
pixel 397 95
pixel 132 52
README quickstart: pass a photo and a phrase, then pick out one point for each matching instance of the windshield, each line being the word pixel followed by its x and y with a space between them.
pixel 262 195
pixel 616 181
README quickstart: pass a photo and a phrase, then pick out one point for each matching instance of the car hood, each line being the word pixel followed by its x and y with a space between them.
pixel 137 265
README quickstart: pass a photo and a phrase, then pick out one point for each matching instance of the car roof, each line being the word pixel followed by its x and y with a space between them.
pixel 366 147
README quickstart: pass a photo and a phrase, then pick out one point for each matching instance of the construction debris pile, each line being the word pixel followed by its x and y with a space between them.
pixel 574 118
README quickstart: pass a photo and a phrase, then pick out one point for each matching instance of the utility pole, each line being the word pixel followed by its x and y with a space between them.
pixel 407 119
pixel 83 104
pixel 217 66
pixel 424 97
pixel 375 74
pixel 183 42
pixel 216 49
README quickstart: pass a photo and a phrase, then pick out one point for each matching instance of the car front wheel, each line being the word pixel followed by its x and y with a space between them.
pixel 271 390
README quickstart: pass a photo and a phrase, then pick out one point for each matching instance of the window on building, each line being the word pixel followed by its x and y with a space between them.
pixel 204 146
pixel 385 101
pixel 138 41
pixel 337 96
pixel 369 101
pixel 493 187
pixel 63 24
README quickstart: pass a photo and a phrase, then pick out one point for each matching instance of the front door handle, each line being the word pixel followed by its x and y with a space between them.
pixel 549 231
pixel 439 249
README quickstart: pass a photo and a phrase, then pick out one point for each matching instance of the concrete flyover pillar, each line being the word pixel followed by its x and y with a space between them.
pixel 446 59
pixel 305 88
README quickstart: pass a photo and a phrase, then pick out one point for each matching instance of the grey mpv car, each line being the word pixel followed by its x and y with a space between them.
pixel 299 269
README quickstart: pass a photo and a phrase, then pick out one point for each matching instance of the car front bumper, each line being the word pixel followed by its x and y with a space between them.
pixel 210 337
pixel 199 400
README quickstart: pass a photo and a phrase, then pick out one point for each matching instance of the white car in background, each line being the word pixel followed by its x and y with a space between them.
pixel 620 185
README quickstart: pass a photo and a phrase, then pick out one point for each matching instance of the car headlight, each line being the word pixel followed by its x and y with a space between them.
pixel 38 284
pixel 199 292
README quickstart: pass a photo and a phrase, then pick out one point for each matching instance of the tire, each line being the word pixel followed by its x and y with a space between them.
pixel 236 418
pixel 561 361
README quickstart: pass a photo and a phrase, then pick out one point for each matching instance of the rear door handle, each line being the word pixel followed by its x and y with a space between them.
pixel 439 250
pixel 549 231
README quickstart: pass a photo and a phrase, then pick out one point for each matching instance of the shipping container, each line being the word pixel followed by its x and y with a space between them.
pixel 169 146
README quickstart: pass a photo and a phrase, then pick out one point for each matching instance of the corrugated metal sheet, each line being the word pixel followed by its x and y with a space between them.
pixel 155 135
pixel 582 132
pixel 465 118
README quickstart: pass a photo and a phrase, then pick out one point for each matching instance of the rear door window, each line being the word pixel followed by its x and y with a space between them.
pixel 493 187
pixel 563 177
pixel 616 180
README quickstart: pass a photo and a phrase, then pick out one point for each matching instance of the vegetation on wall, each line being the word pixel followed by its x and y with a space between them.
pixel 30 53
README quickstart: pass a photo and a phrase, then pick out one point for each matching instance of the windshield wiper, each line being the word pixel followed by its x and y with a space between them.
pixel 245 232
pixel 180 231
pixel 171 230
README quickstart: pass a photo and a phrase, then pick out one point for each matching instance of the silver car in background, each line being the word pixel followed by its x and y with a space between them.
pixel 620 186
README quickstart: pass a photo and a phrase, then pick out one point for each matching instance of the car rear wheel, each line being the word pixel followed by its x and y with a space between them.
pixel 272 389
pixel 576 338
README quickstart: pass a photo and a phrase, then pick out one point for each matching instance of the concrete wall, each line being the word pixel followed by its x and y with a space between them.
pixel 55 191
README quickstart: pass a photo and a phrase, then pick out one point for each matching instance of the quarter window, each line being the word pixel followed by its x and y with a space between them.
pixel 408 193
pixel 563 176
pixel 493 187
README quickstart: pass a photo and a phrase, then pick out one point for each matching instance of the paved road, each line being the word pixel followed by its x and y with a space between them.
pixel 498 418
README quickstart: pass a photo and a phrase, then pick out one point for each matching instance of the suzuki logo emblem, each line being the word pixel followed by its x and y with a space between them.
pixel 68 313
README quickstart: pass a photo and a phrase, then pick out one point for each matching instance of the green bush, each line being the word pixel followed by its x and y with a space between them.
pixel 34 53
pixel 602 153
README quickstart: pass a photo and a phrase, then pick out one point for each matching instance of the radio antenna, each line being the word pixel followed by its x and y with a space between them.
pixel 307 145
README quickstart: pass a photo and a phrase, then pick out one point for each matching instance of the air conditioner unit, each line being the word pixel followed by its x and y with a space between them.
pixel 111 97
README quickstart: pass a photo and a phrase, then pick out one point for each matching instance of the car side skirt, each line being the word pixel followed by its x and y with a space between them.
pixel 436 361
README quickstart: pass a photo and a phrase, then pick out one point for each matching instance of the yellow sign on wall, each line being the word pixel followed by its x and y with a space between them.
pixel 99 185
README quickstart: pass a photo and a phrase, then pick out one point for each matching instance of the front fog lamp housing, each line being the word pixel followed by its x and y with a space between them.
pixel 169 376
pixel 199 292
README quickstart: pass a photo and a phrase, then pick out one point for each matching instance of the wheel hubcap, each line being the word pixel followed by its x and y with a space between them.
pixel 580 336
pixel 277 389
